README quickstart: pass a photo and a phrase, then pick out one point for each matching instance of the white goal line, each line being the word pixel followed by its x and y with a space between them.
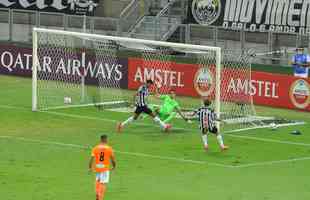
pixel 266 126
pixel 228 121
pixel 85 105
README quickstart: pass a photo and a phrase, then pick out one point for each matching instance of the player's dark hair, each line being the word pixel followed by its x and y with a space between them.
pixel 104 138
pixel 206 102
pixel 301 47
pixel 149 81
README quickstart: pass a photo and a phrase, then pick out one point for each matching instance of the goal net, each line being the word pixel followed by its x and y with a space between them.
pixel 73 69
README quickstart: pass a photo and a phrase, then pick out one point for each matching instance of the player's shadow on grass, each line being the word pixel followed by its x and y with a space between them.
pixel 147 130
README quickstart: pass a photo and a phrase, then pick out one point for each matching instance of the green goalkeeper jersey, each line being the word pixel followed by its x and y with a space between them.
pixel 169 104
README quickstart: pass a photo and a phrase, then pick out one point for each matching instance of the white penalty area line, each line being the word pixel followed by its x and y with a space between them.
pixel 150 125
pixel 257 164
pixel 77 146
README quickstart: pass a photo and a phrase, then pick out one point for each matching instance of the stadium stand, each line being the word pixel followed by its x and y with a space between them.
pixel 160 20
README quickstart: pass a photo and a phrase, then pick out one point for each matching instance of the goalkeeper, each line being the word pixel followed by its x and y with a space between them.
pixel 169 108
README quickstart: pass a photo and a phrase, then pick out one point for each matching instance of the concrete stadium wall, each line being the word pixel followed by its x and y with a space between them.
pixel 111 8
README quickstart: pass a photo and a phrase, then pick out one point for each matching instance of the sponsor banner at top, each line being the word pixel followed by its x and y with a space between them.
pixel 74 7
pixel 285 16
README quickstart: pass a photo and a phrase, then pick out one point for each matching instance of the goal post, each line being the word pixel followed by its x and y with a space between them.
pixel 41 32
pixel 34 70
pixel 74 69
pixel 218 86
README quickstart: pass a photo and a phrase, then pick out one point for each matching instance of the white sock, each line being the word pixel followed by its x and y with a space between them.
pixel 220 140
pixel 129 120
pixel 205 139
pixel 161 123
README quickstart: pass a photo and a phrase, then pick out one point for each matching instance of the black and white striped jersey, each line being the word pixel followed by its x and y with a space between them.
pixel 142 94
pixel 206 118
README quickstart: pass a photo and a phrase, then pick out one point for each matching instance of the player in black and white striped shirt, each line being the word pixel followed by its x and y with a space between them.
pixel 207 123
pixel 141 96
pixel 141 104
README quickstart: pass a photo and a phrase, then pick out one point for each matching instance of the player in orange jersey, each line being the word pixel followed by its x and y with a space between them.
pixel 101 157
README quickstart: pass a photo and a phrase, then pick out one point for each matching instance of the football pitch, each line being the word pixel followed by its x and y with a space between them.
pixel 44 156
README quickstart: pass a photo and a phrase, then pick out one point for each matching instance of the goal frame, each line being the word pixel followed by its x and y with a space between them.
pixel 35 61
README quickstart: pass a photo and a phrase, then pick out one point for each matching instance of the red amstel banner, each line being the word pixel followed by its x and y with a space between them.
pixel 281 91
pixel 192 80
pixel 165 74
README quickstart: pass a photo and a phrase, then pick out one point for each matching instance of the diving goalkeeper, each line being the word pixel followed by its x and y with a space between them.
pixel 169 108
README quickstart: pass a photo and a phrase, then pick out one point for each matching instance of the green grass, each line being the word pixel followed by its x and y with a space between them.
pixel 35 164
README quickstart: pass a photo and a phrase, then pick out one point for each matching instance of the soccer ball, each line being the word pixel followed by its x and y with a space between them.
pixel 273 126
pixel 67 100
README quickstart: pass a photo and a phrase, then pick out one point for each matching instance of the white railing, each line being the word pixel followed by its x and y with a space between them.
pixel 17 27
pixel 130 16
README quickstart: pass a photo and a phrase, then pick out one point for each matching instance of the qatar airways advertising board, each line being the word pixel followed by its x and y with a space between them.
pixel 59 65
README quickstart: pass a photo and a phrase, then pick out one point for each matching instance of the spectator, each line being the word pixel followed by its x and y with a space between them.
pixel 301 63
